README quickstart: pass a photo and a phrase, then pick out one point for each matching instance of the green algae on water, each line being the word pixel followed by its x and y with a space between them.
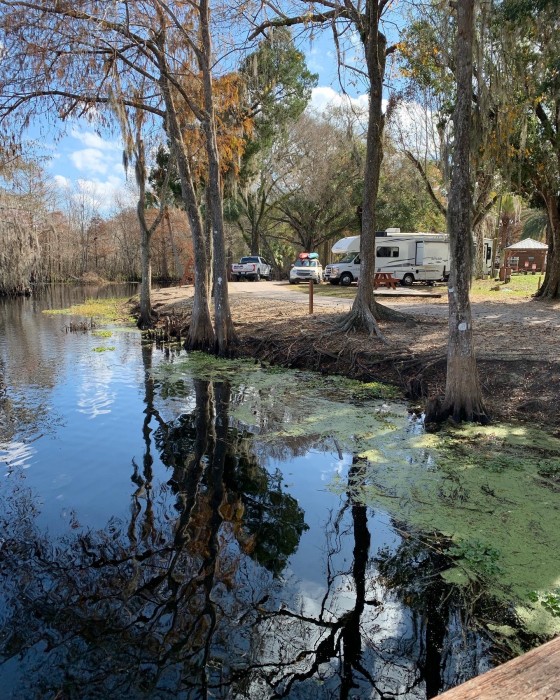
pixel 107 310
pixel 282 404
pixel 495 493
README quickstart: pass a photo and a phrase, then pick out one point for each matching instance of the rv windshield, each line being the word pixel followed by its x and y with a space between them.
pixel 348 258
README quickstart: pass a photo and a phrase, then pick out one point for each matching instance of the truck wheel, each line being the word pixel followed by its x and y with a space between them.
pixel 236 278
pixel 316 281
pixel 258 277
pixel 346 279
pixel 407 280
pixel 293 282
pixel 334 281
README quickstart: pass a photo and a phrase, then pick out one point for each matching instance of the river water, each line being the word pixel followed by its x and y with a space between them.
pixel 177 528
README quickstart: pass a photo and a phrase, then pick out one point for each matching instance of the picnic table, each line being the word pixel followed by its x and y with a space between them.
pixel 385 279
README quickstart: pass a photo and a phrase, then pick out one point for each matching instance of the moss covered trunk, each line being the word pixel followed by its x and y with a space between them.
pixel 463 396
pixel 550 288
pixel 226 338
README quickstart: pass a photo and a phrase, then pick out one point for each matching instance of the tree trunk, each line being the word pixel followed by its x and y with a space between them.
pixel 365 310
pixel 479 265
pixel 550 288
pixel 145 319
pixel 463 396
pixel 226 338
pixel 208 239
pixel 201 334
pixel 176 261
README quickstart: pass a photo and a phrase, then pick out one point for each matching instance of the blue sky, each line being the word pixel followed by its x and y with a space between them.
pixel 88 162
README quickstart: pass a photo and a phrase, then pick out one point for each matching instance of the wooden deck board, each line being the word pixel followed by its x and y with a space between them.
pixel 533 676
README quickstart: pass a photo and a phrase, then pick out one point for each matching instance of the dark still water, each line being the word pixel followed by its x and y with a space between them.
pixel 175 527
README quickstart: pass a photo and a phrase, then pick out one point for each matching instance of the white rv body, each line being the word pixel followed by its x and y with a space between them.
pixel 410 257
pixel 413 257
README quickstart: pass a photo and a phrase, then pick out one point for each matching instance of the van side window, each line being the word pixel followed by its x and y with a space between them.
pixel 385 251
pixel 357 260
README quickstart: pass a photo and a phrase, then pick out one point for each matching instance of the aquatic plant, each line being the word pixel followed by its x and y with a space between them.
pixel 111 310
pixel 479 558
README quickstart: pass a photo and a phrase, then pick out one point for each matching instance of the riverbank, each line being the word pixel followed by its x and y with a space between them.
pixel 516 342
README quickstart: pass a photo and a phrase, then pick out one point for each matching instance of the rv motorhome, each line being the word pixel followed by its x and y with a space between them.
pixel 410 257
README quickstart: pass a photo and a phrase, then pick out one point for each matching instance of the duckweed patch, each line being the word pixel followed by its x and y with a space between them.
pixel 488 490
pixel 103 348
pixel 358 391
pixel 550 601
pixel 102 334
pixel 280 404
pixel 478 558
pixel 108 310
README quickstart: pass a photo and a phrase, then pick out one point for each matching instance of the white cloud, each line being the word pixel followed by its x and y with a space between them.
pixel 103 192
pixel 90 166
pixel 93 140
pixel 415 127
pixel 323 97
pixel 62 182
pixel 99 157
pixel 91 160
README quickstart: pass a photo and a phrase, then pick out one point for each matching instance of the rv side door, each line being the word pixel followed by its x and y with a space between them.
pixel 420 272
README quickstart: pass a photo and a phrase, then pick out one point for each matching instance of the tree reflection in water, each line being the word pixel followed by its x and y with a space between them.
pixel 164 605
pixel 193 598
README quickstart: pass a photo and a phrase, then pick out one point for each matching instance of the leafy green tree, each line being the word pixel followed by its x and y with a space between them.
pixel 277 86
pixel 320 187
pixel 528 41
pixel 365 21
pixel 164 171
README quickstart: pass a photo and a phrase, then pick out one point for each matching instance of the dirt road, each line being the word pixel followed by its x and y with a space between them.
pixel 416 300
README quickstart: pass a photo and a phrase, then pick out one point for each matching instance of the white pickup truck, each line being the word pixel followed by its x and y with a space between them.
pixel 252 267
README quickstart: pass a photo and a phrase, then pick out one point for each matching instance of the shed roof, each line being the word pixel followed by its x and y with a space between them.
pixel 528 244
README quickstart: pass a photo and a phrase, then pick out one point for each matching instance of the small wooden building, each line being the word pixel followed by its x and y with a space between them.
pixel 527 255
